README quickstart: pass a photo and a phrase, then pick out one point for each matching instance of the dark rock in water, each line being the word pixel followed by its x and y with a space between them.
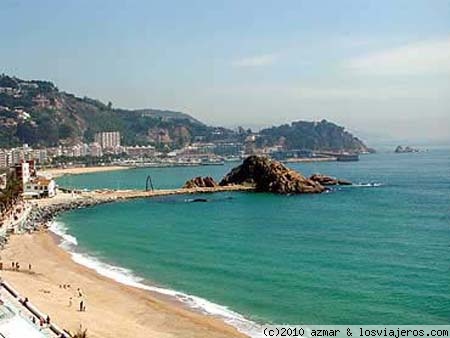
pixel 268 175
pixel 195 200
pixel 407 149
pixel 328 180
pixel 200 182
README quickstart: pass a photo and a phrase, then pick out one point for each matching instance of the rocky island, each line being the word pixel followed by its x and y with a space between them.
pixel 267 175
pixel 407 149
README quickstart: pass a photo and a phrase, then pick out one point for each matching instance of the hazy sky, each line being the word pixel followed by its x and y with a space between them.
pixel 381 68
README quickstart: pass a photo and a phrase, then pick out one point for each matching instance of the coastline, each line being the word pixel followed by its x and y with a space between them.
pixel 58 172
pixel 122 310
pixel 54 263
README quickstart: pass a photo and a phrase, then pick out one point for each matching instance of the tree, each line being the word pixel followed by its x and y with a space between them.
pixel 11 194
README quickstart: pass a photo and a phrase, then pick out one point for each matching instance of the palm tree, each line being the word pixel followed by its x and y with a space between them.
pixel 80 334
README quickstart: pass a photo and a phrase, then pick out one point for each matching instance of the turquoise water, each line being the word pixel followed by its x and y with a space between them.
pixel 376 254
pixel 162 178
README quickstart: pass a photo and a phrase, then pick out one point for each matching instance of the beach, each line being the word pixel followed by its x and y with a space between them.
pixel 112 309
pixel 58 172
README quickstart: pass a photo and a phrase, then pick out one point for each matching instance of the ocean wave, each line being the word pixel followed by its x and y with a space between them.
pixel 61 230
pixel 127 277
pixel 367 185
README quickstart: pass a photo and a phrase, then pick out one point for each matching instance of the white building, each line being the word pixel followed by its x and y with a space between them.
pixel 3 181
pixel 108 140
pixel 17 156
pixel 3 159
pixel 140 151
pixel 40 187
pixel 23 172
pixel 40 155
pixel 95 150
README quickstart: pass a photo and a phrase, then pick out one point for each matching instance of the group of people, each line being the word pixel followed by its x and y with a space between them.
pixel 15 266
pixel 42 321
pixel 82 304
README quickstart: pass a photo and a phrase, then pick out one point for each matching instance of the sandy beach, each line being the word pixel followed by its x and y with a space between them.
pixel 57 172
pixel 112 309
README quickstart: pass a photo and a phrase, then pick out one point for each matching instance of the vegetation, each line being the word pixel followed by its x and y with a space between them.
pixel 80 334
pixel 61 118
pixel 11 194
pixel 321 135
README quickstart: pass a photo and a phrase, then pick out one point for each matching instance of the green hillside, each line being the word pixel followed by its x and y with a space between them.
pixel 38 113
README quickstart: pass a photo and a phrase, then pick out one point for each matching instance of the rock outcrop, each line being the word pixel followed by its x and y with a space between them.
pixel 268 175
pixel 200 182
pixel 328 180
pixel 407 149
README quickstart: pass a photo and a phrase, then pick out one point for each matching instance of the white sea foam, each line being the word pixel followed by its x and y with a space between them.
pixel 127 277
pixel 60 229
pixel 367 185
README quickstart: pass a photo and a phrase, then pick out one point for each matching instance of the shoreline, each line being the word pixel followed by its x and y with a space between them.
pixel 58 172
pixel 128 277
pixel 79 170
pixel 26 247
pixel 123 310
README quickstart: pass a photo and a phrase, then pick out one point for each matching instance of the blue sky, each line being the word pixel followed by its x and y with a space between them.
pixel 382 68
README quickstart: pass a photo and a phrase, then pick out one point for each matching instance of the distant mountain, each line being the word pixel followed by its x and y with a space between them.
pixel 323 135
pixel 38 113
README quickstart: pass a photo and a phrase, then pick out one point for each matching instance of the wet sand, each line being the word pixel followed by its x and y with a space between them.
pixel 112 309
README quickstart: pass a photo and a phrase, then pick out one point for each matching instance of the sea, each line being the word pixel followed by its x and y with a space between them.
pixel 376 252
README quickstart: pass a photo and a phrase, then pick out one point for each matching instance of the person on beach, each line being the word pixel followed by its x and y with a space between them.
pixel 81 306
pixel 48 319
pixel 29 267
pixel 70 302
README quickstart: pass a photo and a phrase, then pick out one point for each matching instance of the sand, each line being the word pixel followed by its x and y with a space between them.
pixel 57 172
pixel 112 309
